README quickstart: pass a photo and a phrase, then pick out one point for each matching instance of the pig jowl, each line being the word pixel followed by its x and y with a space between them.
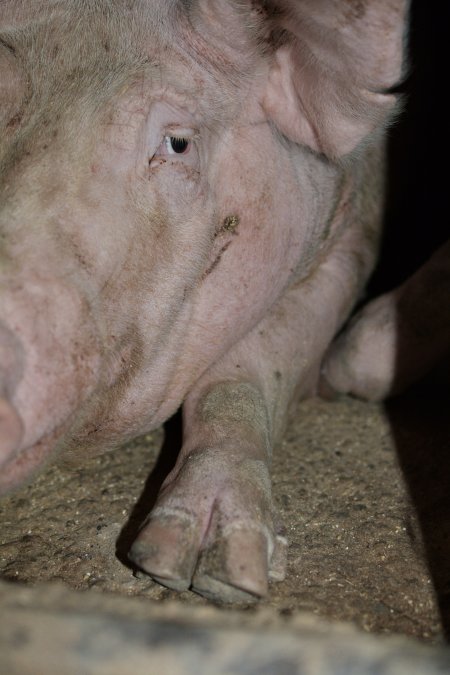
pixel 190 201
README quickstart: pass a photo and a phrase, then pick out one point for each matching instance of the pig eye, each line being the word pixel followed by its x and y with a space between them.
pixel 177 146
pixel 174 145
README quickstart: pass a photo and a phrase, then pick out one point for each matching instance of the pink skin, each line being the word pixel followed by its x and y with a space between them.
pixel 397 338
pixel 214 276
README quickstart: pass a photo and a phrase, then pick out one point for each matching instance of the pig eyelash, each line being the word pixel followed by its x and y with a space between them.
pixel 174 145
pixel 177 145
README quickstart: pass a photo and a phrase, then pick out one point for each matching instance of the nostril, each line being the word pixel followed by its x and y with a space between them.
pixel 11 429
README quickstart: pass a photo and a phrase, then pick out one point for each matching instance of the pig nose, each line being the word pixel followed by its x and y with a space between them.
pixel 11 429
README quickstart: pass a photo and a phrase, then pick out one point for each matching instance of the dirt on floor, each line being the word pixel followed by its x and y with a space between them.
pixel 362 488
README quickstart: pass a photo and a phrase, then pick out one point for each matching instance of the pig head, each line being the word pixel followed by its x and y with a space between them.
pixel 190 199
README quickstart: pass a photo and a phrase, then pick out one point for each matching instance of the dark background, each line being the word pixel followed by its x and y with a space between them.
pixel 417 222
pixel 417 218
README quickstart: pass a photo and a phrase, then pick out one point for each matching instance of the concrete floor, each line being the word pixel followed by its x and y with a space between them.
pixel 362 488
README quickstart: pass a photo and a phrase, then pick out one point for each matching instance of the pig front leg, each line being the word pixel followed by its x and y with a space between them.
pixel 397 338
pixel 213 528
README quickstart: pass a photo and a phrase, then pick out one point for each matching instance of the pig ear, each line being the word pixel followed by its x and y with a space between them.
pixel 334 63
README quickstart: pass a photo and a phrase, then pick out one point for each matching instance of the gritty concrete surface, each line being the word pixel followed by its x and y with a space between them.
pixel 362 488
pixel 83 633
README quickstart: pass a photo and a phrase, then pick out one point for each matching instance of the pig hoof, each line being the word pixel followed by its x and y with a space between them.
pixel 164 548
pixel 233 568
pixel 233 565
pixel 213 529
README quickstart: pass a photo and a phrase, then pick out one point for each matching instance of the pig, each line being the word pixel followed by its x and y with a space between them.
pixel 397 338
pixel 190 205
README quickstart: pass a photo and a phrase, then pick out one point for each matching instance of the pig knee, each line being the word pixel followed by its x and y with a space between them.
pixel 396 339
pixel 362 360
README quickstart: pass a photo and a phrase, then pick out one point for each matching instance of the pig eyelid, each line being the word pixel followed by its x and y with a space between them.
pixel 176 131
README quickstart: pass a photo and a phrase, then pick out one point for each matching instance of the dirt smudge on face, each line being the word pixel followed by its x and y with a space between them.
pixel 354 9
pixel 15 121
pixel 230 224
pixel 223 238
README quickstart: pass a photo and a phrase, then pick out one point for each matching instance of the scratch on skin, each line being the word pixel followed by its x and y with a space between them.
pixel 229 226
pixel 216 260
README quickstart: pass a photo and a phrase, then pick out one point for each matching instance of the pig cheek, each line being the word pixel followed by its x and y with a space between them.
pixel 178 185
pixel 180 222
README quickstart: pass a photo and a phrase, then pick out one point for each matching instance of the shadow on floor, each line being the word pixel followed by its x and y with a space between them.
pixel 165 463
pixel 416 224
pixel 420 422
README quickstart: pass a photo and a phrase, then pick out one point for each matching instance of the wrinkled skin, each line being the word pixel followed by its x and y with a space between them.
pixel 190 201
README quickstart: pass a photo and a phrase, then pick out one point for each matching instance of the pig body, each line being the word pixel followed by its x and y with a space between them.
pixel 191 196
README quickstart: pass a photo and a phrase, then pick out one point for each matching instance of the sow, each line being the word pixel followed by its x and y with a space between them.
pixel 190 203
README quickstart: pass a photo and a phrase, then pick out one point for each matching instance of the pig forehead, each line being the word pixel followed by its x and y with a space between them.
pixel 73 48
pixel 70 50
pixel 83 69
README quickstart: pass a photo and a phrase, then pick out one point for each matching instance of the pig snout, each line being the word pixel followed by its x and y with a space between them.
pixel 11 424
pixel 48 368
